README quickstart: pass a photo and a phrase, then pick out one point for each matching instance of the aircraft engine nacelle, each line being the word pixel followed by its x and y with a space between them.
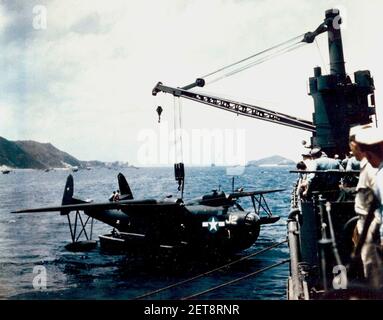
pixel 243 229
pixel 219 227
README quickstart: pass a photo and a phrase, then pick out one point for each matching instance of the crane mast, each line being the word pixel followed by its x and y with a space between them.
pixel 339 103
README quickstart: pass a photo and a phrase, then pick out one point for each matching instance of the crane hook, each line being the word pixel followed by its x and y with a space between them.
pixel 159 111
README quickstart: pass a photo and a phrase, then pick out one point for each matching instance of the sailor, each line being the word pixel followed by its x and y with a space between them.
pixel 310 166
pixel 306 156
pixel 353 163
pixel 111 198
pixel 345 160
pixel 321 162
pixel 369 142
pixel 301 166
pixel 337 158
pixel 117 196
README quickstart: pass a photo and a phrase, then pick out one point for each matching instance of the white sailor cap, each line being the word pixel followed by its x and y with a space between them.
pixel 369 136
pixel 316 151
pixel 356 129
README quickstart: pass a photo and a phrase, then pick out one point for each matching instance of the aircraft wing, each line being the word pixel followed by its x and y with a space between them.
pixel 236 195
pixel 125 204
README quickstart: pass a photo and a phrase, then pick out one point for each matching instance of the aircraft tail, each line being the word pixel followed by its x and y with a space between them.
pixel 68 195
pixel 126 192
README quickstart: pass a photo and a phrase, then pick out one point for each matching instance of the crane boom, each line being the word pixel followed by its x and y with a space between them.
pixel 239 108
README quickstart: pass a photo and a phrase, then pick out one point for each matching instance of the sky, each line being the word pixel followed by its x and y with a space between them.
pixel 79 74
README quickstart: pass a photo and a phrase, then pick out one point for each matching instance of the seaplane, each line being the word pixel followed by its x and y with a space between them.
pixel 214 222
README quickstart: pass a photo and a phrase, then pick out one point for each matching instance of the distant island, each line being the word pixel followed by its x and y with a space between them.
pixel 35 155
pixel 45 156
pixel 271 161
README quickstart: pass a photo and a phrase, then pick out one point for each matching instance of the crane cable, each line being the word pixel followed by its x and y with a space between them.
pixel 321 56
pixel 175 128
pixel 177 124
pixel 259 61
pixel 253 56
pixel 209 272
pixel 179 170
pixel 297 41
pixel 180 128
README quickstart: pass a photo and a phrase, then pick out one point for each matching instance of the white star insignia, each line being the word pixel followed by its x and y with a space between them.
pixel 213 224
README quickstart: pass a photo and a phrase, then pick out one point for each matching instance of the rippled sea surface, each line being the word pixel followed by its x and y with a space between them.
pixel 30 240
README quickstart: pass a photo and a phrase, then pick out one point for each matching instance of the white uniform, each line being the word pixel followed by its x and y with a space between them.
pixel 366 180
pixel 371 259
pixel 379 184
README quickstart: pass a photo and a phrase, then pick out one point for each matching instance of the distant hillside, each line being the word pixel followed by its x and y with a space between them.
pixel 48 155
pixel 271 161
pixel 12 155
pixel 36 155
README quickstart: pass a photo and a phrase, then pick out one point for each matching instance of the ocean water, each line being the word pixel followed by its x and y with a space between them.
pixel 28 241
